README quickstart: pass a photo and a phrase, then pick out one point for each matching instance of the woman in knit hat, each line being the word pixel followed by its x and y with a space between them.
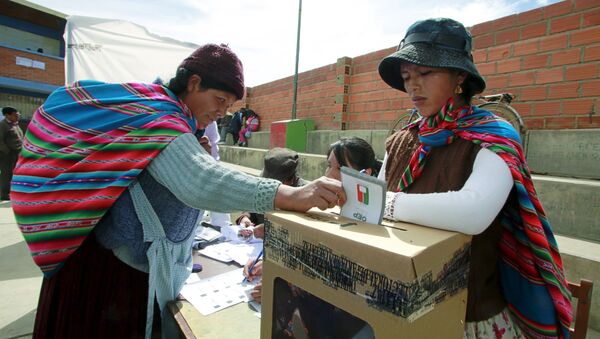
pixel 109 187
pixel 461 168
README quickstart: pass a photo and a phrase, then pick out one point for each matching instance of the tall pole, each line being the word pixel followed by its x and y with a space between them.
pixel 297 57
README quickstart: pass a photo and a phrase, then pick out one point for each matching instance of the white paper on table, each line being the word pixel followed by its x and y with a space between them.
pixel 193 278
pixel 232 232
pixel 219 292
pixel 242 252
pixel 255 306
pixel 365 196
pixel 220 219
pixel 218 252
pixel 231 251
pixel 207 233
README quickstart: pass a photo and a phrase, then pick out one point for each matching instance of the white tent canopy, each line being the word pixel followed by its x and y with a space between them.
pixel 119 51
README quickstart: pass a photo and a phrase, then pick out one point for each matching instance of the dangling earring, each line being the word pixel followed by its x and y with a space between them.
pixel 458 90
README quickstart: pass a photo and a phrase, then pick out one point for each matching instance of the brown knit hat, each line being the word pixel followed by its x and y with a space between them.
pixel 219 63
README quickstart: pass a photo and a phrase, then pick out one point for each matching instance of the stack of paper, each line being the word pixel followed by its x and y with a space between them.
pixel 216 293
pixel 230 251
pixel 207 233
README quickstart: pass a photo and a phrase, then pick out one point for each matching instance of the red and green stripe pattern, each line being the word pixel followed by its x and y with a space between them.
pixel 83 147
pixel 531 266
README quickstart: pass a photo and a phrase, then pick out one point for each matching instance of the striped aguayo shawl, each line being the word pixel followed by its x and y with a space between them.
pixel 531 268
pixel 84 146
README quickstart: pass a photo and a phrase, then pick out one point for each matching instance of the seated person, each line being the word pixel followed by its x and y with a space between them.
pixel 235 125
pixel 351 152
pixel 250 124
pixel 223 124
pixel 279 164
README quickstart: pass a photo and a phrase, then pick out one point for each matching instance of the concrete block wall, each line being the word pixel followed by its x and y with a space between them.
pixel 317 142
pixel 565 153
pixel 311 166
pixel 571 205
pixel 260 140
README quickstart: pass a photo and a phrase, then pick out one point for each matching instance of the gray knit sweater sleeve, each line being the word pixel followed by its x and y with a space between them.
pixel 195 178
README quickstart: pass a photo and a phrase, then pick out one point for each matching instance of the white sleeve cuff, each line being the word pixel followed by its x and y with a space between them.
pixel 470 210
pixel 381 174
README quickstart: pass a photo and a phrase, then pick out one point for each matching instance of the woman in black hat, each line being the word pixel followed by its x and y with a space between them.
pixel 461 168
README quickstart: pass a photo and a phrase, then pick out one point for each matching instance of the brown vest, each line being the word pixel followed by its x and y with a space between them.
pixel 447 169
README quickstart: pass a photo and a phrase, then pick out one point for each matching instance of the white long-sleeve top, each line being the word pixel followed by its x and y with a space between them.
pixel 469 210
pixel 212 132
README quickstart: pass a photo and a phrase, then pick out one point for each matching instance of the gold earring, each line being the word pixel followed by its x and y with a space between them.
pixel 458 89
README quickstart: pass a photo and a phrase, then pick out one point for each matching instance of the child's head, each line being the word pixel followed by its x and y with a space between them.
pixel 351 152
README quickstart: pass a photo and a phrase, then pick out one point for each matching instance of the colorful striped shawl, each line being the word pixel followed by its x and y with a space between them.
pixel 83 147
pixel 531 267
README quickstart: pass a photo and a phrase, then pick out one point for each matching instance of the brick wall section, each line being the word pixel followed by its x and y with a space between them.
pixel 53 74
pixel 548 57
pixel 317 89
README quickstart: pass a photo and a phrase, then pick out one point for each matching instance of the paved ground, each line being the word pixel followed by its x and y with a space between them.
pixel 20 279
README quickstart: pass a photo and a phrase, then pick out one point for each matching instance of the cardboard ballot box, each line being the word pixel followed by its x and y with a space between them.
pixel 326 276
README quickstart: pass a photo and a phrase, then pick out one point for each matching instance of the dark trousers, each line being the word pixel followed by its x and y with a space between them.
pixel 235 135
pixel 7 164
pixel 223 133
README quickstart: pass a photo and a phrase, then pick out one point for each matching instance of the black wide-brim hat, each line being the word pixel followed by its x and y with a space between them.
pixel 441 43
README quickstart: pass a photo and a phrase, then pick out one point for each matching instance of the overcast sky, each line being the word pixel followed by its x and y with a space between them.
pixel 263 32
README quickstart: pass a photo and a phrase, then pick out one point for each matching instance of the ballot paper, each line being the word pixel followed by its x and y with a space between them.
pixel 213 294
pixel 365 196
pixel 232 233
pixel 232 251
pixel 207 233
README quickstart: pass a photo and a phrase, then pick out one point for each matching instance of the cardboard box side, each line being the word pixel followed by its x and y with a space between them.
pixel 303 239
pixel 440 320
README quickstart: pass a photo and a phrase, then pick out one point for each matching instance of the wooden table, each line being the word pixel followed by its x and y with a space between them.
pixel 237 321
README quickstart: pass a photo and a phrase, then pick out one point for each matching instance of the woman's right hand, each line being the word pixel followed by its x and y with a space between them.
pixel 245 221
pixel 256 272
pixel 323 193
pixel 259 231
